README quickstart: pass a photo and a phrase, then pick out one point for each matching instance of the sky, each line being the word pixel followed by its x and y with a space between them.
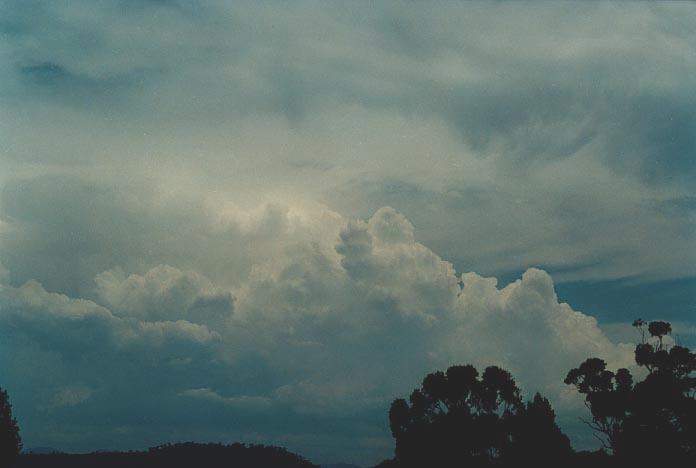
pixel 262 222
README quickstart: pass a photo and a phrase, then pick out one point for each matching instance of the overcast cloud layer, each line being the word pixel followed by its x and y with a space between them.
pixel 225 220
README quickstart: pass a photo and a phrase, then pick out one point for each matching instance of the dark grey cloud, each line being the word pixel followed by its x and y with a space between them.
pixel 57 82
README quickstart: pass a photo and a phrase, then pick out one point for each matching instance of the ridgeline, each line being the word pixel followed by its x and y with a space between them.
pixel 184 455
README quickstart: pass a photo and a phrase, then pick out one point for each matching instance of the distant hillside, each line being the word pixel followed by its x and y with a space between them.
pixel 339 465
pixel 187 455
pixel 40 450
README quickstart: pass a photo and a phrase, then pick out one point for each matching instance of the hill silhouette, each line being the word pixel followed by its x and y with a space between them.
pixel 40 451
pixel 339 465
pixel 183 455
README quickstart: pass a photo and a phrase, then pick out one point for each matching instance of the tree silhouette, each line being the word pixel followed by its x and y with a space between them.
pixel 10 441
pixel 654 420
pixel 536 437
pixel 460 418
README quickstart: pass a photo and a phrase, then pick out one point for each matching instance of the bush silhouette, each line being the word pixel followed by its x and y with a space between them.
pixel 459 418
pixel 10 441
pixel 652 421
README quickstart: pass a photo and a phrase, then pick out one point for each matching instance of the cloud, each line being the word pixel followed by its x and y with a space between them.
pixel 553 133
pixel 63 231
pixel 72 395
pixel 398 302
pixel 242 402
pixel 163 293
pixel 71 325
pixel 210 198
pixel 308 336
pixel 4 274
pixel 525 322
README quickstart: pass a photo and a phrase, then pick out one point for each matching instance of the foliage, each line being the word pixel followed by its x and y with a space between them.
pixel 10 441
pixel 459 417
pixel 653 420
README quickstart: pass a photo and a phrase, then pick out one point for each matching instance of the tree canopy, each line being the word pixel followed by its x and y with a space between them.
pixel 653 420
pixel 10 441
pixel 459 417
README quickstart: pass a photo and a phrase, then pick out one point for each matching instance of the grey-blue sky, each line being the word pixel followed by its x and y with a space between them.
pixel 234 142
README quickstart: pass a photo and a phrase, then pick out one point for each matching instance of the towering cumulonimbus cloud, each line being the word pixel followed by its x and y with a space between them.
pixel 329 326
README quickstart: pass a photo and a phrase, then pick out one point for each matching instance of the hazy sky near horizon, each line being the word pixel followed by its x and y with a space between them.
pixel 263 221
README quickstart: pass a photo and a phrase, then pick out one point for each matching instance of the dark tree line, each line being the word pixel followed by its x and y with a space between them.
pixel 460 418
